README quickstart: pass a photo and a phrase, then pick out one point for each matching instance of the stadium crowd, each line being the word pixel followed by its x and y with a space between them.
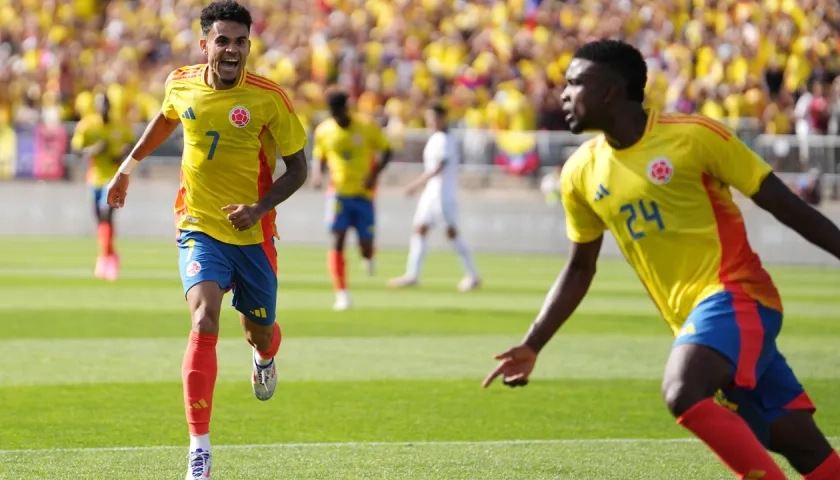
pixel 498 64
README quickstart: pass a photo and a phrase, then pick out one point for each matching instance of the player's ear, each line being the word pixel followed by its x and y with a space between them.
pixel 612 91
pixel 202 44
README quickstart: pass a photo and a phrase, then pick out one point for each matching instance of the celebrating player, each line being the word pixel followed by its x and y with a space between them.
pixel 234 123
pixel 660 184
pixel 345 144
pixel 438 203
pixel 103 142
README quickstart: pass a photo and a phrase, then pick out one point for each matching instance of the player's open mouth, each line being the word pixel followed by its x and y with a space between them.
pixel 229 66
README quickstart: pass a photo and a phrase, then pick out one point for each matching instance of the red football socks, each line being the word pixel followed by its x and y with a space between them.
pixel 199 375
pixel 731 439
pixel 276 337
pixel 336 264
pixel 828 470
pixel 105 235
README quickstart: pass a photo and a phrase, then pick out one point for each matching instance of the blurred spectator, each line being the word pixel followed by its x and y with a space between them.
pixel 809 187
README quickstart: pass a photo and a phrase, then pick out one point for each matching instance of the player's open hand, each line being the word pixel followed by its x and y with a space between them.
pixel 410 190
pixel 243 217
pixel 117 189
pixel 514 366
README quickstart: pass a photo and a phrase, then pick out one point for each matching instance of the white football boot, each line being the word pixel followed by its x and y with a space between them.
pixel 198 465
pixel 264 379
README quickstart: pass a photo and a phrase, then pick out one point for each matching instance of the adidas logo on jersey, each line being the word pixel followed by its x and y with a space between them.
pixel 188 114
pixel 601 193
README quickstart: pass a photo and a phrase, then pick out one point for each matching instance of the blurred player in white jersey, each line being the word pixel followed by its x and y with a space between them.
pixel 438 203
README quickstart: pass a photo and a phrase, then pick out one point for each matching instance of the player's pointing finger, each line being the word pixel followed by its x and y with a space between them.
pixel 495 373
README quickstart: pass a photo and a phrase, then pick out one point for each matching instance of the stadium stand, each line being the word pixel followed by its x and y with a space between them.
pixel 763 66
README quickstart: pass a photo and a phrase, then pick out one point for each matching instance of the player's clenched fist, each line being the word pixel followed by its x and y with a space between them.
pixel 117 190
pixel 514 366
pixel 243 217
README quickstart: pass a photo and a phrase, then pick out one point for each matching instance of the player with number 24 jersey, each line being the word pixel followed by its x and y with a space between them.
pixel 674 182
pixel 660 183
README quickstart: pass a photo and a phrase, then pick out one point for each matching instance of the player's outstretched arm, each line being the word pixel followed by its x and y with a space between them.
pixel 158 130
pixel 563 299
pixel 776 198
pixel 424 177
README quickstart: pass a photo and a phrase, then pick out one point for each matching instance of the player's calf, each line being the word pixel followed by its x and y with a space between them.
pixel 796 436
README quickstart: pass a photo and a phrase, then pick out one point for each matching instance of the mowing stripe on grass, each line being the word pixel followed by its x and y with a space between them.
pixel 359 444
pixel 424 443
pixel 149 360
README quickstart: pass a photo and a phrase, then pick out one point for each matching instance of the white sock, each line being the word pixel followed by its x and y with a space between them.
pixel 416 253
pixel 200 442
pixel 466 256
pixel 261 361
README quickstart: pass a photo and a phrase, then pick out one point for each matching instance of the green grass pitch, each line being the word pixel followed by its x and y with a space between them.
pixel 90 377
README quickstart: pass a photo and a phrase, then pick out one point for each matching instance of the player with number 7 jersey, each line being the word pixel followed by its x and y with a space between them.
pixel 235 123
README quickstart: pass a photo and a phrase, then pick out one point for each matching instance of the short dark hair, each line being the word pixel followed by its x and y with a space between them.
pixel 224 10
pixel 439 108
pixel 625 59
pixel 337 99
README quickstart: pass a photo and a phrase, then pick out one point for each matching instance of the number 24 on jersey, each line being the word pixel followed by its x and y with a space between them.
pixel 638 212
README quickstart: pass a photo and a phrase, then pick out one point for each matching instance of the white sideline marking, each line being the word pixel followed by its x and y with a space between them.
pixel 556 441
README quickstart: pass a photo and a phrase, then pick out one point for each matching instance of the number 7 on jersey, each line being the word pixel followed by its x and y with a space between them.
pixel 216 136
pixel 649 213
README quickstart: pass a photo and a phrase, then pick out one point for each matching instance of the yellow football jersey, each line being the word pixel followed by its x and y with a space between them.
pixel 349 153
pixel 231 140
pixel 90 130
pixel 667 202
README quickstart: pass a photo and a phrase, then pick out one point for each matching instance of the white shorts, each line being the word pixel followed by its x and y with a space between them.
pixel 434 211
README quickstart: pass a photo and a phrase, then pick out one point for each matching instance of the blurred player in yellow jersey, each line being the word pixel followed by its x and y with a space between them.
pixel 346 145
pixel 660 183
pixel 235 122
pixel 103 143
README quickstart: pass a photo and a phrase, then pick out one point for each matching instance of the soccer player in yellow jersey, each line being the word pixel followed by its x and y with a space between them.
pixel 345 144
pixel 234 124
pixel 660 183
pixel 104 143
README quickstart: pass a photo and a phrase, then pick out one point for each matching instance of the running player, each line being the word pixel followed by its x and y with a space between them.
pixel 660 184
pixel 345 144
pixel 438 203
pixel 234 123
pixel 103 143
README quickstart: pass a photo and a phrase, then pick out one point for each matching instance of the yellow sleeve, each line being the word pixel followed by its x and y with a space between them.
pixel 168 108
pixel 128 134
pixel 286 128
pixel 318 151
pixel 726 158
pixel 78 140
pixel 582 223
pixel 378 139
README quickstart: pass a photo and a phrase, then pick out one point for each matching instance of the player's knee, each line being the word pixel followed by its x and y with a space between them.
pixel 421 230
pixel 452 233
pixel 205 320
pixel 338 240
pixel 679 395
